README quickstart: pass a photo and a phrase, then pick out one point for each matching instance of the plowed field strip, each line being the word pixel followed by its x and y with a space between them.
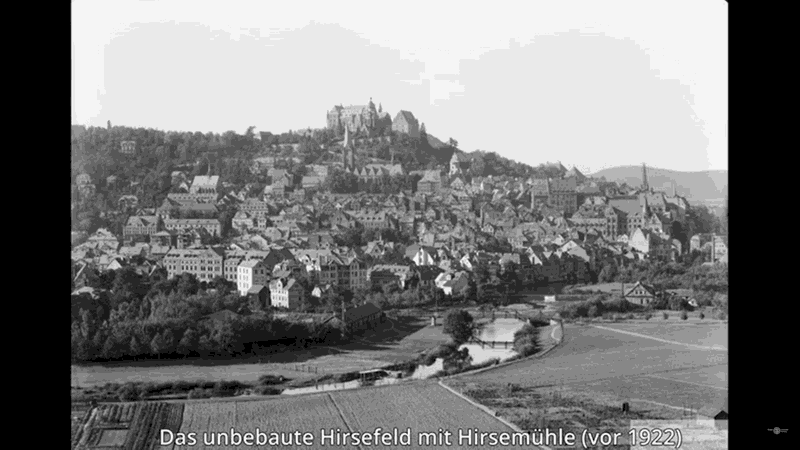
pixel 341 415
pixel 420 407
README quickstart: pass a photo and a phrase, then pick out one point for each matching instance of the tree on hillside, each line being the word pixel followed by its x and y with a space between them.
pixel 724 217
pixel 423 136
pixel 126 279
pixel 459 325
pixel 477 166
pixel 309 151
pixel 701 220
pixel 452 143
pixel 342 182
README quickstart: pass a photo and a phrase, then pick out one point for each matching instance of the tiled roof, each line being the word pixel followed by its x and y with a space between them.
pixel 142 221
pixel 250 263
pixel 407 115
pixel 203 180
pixel 360 312
pixel 627 206
pixel 255 289
pixel 431 175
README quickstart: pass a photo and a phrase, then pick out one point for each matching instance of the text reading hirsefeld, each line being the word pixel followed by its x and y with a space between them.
pixel 335 437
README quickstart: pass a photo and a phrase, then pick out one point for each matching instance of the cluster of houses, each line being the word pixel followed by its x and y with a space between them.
pixel 558 230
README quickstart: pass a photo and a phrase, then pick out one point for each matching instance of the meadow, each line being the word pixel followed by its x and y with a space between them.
pixel 593 363
pixel 695 332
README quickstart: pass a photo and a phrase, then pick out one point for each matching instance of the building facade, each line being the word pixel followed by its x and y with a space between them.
pixel 212 226
pixel 564 195
pixel 405 122
pixel 430 183
pixel 285 293
pixel 140 228
pixel 251 272
pixel 128 147
pixel 205 187
pixel 540 192
pixel 205 264
pixel 357 118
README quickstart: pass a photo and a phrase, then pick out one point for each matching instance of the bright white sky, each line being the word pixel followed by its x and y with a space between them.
pixel 588 83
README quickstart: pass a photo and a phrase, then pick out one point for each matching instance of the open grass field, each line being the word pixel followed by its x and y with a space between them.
pixel 570 408
pixel 90 376
pixel 625 366
pixel 696 332
pixel 422 407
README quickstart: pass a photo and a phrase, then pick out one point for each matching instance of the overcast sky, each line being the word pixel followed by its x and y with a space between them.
pixel 593 84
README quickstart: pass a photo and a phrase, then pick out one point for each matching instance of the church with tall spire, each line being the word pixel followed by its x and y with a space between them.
pixel 348 151
pixel 645 185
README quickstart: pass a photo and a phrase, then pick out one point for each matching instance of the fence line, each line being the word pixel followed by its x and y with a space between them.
pixel 491 344
pixel 302 368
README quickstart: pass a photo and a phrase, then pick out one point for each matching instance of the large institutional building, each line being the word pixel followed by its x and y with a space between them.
pixel 359 118
pixel 366 119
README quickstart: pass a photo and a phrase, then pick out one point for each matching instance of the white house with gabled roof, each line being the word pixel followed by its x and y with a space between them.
pixel 251 272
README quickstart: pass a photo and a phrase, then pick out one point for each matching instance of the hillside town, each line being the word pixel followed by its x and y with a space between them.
pixel 553 229
pixel 280 241
pixel 326 222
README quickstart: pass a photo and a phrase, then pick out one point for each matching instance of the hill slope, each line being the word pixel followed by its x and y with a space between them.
pixel 709 186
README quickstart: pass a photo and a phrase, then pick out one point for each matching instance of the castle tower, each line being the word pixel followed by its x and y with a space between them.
pixel 645 186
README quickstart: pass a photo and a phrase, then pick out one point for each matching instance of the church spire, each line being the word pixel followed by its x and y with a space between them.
pixel 346 147
pixel 645 186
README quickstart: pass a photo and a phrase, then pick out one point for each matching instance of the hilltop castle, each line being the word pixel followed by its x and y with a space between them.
pixel 364 119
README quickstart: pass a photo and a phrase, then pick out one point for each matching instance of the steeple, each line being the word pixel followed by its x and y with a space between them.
pixel 346 148
pixel 352 158
pixel 645 186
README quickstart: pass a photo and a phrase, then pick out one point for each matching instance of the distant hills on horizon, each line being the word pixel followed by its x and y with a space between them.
pixel 707 186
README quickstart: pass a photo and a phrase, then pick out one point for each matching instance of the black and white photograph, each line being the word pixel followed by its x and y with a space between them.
pixel 426 224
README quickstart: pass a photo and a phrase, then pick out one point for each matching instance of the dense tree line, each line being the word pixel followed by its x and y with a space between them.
pixel 687 273
pixel 485 163
pixel 341 182
pixel 155 317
